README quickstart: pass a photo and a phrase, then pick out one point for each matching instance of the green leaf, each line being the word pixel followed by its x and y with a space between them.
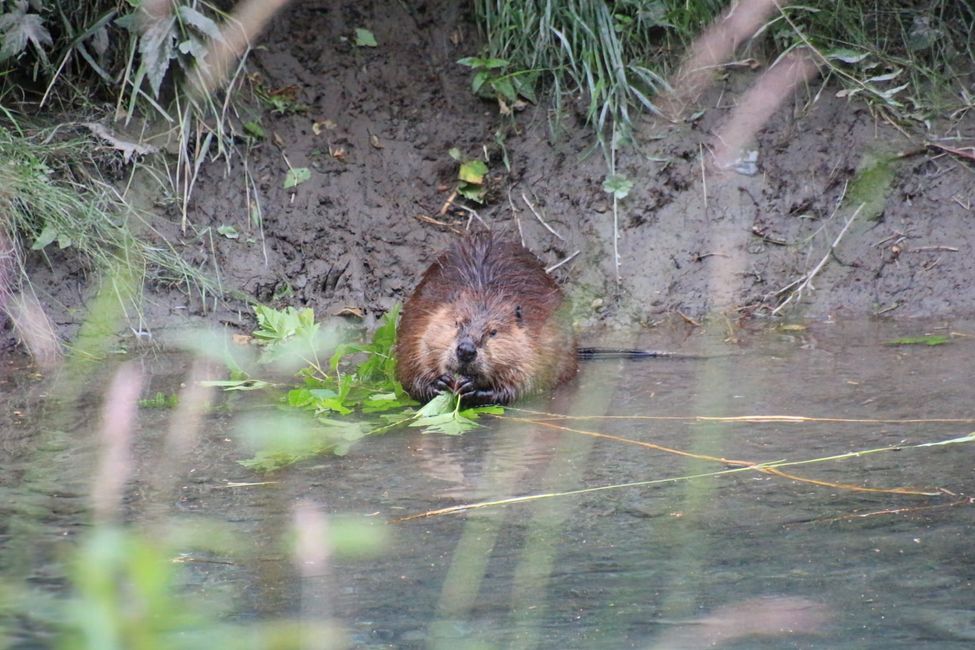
pixel 846 55
pixel 443 403
pixel 617 185
pixel 156 48
pixel 505 88
pixel 525 86
pixel 279 324
pixel 48 235
pixel 195 48
pixel 477 82
pixel 473 413
pixel 18 28
pixel 481 63
pixel 442 414
pixel 473 171
pixel 454 153
pixel 454 425
pixel 228 231
pixel 472 192
pixel 281 442
pixel 927 339
pixel 254 129
pixel 203 23
pixel 237 384
pixel 364 38
pixel 296 176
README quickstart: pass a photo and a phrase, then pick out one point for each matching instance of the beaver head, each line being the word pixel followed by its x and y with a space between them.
pixel 484 338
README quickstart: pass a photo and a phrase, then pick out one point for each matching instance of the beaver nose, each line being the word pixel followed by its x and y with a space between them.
pixel 466 351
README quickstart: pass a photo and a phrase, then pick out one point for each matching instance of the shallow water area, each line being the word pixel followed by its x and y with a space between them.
pixel 651 526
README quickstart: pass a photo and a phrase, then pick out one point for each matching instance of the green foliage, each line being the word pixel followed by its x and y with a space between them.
pixel 443 414
pixel 18 28
pixel 617 55
pixel 281 101
pixel 901 58
pixel 125 596
pixel 470 176
pixel 276 326
pixel 160 401
pixel 296 176
pixel 283 439
pixel 151 59
pixel 927 339
pixel 364 38
pixel 355 395
pixel 493 80
pixel 618 185
pixel 127 592
pixel 164 37
pixel 576 47
pixel 52 196
pixel 871 184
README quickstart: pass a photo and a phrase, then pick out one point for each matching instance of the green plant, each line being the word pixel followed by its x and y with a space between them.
pixel 925 339
pixel 573 46
pixel 470 176
pixel 353 396
pixel 493 80
pixel 160 401
pixel 364 38
pixel 910 61
pixel 53 197
pixel 906 61
pixel 151 59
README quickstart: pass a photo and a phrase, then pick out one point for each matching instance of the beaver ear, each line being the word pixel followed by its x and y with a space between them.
pixel 518 314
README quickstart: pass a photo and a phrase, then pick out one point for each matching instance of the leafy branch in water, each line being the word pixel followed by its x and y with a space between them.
pixel 354 395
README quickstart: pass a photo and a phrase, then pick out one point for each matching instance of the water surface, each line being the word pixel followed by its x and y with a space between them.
pixel 840 558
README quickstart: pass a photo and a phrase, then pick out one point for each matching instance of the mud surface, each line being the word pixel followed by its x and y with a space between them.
pixel 692 242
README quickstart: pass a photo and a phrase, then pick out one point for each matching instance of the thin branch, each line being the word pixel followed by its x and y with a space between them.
pixel 807 279
pixel 539 217
pixel 564 261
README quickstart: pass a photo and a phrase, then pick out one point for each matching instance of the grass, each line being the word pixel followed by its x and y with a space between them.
pixel 146 59
pixel 53 198
pixel 911 63
pixel 575 46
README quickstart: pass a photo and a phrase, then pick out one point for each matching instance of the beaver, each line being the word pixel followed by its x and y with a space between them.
pixel 487 323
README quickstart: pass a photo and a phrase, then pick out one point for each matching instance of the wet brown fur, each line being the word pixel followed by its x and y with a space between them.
pixel 482 285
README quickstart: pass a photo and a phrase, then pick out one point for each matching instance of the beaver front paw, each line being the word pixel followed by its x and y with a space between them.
pixel 471 395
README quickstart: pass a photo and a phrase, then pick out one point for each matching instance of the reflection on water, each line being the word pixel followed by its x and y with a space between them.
pixel 744 559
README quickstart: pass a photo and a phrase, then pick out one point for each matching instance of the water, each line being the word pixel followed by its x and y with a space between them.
pixel 673 564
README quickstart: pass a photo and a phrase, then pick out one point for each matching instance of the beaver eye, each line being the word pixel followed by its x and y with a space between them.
pixel 494 332
pixel 518 312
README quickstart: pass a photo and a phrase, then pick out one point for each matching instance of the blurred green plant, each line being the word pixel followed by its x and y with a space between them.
pixel 127 591
pixel 160 401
